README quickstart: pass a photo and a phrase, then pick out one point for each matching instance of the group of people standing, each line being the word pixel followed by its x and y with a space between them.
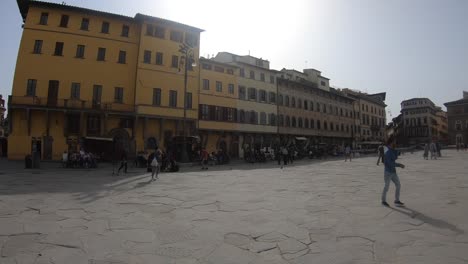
pixel 285 154
pixel 433 148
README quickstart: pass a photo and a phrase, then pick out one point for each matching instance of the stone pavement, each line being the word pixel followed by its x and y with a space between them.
pixel 321 212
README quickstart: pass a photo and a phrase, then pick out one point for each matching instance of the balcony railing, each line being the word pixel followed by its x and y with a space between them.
pixel 34 101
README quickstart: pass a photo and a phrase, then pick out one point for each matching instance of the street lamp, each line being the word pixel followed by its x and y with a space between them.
pixel 188 59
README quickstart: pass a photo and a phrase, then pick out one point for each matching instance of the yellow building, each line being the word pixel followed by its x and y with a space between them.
pixel 218 128
pixel 85 77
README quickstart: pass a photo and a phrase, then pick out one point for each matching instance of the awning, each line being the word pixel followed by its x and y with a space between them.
pixel 99 138
pixel 369 143
pixel 301 138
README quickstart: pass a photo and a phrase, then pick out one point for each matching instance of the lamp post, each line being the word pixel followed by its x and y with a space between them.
pixel 187 55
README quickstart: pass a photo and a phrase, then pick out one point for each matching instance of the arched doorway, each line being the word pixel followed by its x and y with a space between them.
pixel 151 143
pixel 121 142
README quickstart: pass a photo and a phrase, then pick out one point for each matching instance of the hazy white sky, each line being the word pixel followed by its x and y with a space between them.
pixel 416 48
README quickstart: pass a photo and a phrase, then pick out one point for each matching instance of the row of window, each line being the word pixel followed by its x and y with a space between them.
pixel 253 75
pixel 177 36
pixel 256 95
pixel 159 59
pixel 415 121
pixel 80 51
pixel 64 21
pixel 372 120
pixel 374 110
pixel 75 93
pixel 228 114
pixel 151 30
pixel 219 86
pixel 216 68
pixel 306 105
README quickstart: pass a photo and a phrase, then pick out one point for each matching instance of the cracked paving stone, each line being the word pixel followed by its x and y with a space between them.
pixel 258 247
pixel 238 240
pixel 63 255
pixel 228 254
pixel 290 246
pixel 272 237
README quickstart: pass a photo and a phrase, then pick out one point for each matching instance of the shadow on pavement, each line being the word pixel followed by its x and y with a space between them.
pixel 428 220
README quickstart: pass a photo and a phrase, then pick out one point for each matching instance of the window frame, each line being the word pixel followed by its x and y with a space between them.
pixel 58 51
pixel 75 90
pixel 101 56
pixel 64 19
pixel 84 24
pixel 105 27
pixel 118 95
pixel 37 49
pixel 157 95
pixel 173 98
pixel 31 86
pixel 80 51
pixel 122 57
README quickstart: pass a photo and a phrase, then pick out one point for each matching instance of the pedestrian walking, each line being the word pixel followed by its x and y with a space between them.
pixel 285 156
pixel 204 158
pixel 380 152
pixel 426 151
pixel 154 168
pixel 433 150
pixel 347 153
pixel 390 174
pixel 438 147
pixel 123 163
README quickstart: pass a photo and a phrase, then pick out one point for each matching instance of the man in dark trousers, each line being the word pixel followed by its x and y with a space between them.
pixel 390 174
pixel 123 163
pixel 380 152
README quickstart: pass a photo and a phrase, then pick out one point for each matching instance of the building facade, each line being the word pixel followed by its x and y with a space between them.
pixel 457 115
pixel 310 110
pixel 84 77
pixel 370 117
pixel 422 122
pixel 256 105
pixel 218 107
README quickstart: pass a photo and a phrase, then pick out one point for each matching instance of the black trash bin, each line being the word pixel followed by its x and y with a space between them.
pixel 28 162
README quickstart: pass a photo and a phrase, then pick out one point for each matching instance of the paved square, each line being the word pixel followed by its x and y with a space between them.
pixel 312 212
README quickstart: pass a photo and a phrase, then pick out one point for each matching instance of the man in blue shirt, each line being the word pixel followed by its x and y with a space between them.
pixel 390 156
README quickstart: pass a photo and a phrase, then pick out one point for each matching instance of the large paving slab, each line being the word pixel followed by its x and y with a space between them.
pixel 311 212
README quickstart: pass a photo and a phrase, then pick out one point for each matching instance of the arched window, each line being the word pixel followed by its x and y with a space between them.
pixel 342 127
pixel 288 123
pixel 280 120
pixel 286 100
pixel 293 102
pixel 347 128
pixel 331 126
pixel 325 125
pixel 312 123
pixel 318 107
pixel 299 122
pixel 306 122
pixel 293 121
pixel 280 99
pixel 299 103
pixel 318 124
